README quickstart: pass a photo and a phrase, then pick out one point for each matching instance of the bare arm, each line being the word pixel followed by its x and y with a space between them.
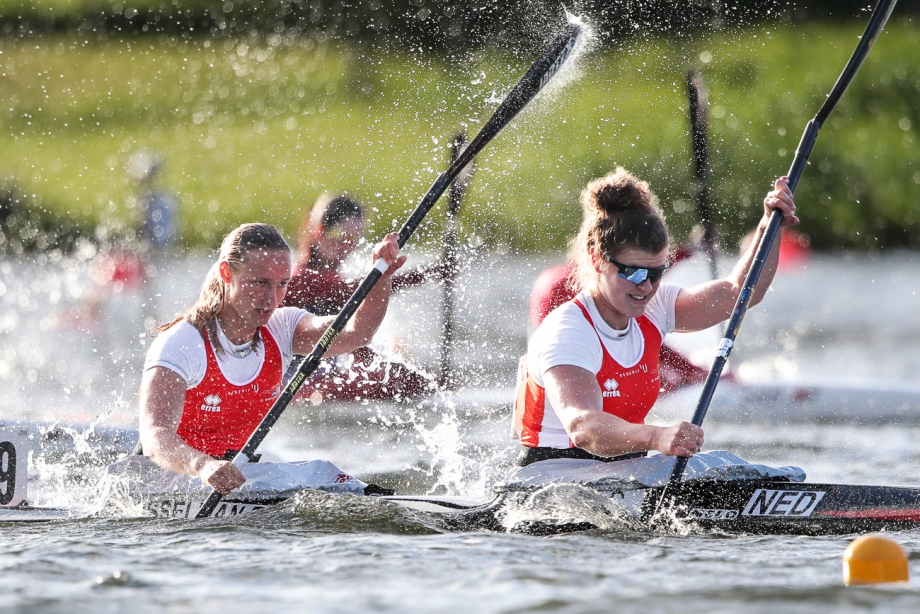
pixel 161 404
pixel 709 303
pixel 575 396
pixel 361 328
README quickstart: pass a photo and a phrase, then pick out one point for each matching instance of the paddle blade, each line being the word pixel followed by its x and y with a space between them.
pixel 535 79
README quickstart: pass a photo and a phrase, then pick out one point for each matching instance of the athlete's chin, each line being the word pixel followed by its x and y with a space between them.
pixel 262 316
pixel 636 308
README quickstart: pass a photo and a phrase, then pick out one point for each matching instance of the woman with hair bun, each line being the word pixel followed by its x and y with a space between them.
pixel 592 372
pixel 213 372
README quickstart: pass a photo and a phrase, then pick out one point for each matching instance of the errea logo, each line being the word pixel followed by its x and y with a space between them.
pixel 211 403
pixel 610 388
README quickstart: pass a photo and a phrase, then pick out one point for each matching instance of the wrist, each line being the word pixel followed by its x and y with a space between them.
pixel 651 438
pixel 200 463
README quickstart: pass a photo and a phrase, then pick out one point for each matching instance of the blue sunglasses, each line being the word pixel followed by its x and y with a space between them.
pixel 637 274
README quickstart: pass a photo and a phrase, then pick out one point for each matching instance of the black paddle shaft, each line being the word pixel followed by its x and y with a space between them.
pixel 450 258
pixel 698 133
pixel 542 71
pixel 806 144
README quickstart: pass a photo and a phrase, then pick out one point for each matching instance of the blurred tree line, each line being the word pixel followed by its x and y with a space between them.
pixel 433 24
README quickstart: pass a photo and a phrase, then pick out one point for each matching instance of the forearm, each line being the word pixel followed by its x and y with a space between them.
pixel 576 399
pixel 162 402
pixel 163 446
pixel 779 199
pixel 367 319
pixel 740 272
pixel 607 435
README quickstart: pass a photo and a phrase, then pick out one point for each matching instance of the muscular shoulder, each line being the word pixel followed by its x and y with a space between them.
pixel 179 348
pixel 282 324
pixel 564 338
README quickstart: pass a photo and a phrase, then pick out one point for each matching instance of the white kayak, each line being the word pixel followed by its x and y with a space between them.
pixel 719 492
pixel 641 473
pixel 136 487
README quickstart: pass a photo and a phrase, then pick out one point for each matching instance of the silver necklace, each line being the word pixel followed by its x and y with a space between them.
pixel 243 352
pixel 240 351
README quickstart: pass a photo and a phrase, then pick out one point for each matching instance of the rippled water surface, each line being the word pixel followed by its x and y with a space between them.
pixel 838 319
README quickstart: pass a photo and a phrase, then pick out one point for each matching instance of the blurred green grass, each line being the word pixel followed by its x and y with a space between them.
pixel 255 128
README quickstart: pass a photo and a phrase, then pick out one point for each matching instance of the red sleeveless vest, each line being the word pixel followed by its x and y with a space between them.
pixel 627 393
pixel 220 416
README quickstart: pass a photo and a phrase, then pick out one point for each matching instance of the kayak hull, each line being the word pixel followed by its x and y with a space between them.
pixel 729 507
pixel 722 493
pixel 736 507
pixel 788 508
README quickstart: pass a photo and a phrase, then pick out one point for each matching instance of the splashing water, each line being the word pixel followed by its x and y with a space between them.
pixel 556 506
pixel 462 465
pixel 67 461
pixel 569 72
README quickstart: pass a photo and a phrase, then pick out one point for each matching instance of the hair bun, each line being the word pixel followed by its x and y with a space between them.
pixel 619 192
pixel 620 211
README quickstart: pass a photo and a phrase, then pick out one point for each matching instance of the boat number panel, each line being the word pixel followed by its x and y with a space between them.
pixel 14 466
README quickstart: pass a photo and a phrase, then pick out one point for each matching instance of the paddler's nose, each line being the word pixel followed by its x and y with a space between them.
pixel 645 285
pixel 269 297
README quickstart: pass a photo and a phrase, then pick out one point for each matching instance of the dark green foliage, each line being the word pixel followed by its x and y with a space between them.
pixel 27 226
pixel 256 126
pixel 432 24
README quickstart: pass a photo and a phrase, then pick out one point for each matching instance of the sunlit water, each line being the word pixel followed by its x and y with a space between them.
pixel 844 318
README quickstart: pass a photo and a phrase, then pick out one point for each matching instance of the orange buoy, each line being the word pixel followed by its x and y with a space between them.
pixel 873 559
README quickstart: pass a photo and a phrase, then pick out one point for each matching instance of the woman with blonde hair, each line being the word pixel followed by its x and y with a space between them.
pixel 592 370
pixel 212 373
